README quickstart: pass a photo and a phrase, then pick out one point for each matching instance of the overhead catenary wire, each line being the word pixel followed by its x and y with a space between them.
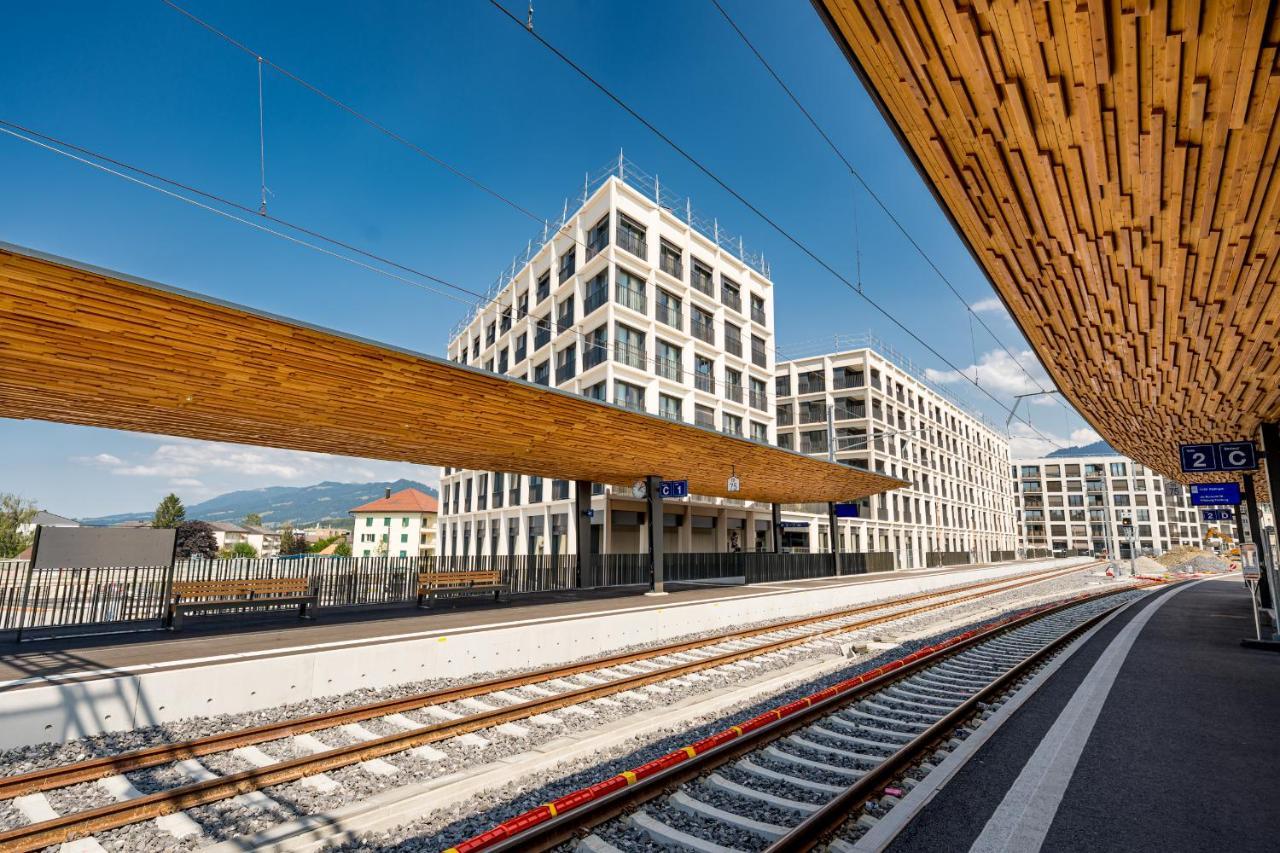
pixel 874 195
pixel 772 223
pixel 50 143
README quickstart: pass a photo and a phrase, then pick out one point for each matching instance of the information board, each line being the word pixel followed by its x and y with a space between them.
pixel 1215 494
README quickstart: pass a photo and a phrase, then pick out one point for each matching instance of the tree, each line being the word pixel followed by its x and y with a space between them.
pixel 343 549
pixel 196 539
pixel 253 519
pixel 242 550
pixel 14 513
pixel 291 542
pixel 170 512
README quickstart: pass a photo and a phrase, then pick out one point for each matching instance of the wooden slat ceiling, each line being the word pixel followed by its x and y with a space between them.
pixel 86 346
pixel 1112 167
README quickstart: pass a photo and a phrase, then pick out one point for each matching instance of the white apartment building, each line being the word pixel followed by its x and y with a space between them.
pixel 403 524
pixel 1075 504
pixel 884 417
pixel 637 304
pixel 228 534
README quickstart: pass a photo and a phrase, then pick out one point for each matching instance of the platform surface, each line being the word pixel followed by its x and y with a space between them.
pixel 206 638
pixel 1183 754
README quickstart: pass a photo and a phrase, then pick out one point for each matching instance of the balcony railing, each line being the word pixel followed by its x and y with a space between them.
pixel 811 386
pixel 705 419
pixel 593 354
pixel 702 282
pixel 733 346
pixel 565 372
pixel 757 315
pixel 669 368
pixel 542 336
pixel 594 300
pixel 670 315
pixel 759 401
pixel 785 418
pixel 733 392
pixel 596 245
pixel 629 355
pixel 703 330
pixel 671 266
pixel 731 300
pixel 759 357
pixel 629 401
pixel 633 243
pixel 704 382
pixel 631 298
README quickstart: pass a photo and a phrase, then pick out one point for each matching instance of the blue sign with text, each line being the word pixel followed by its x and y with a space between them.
pixel 1198 458
pixel 1217 514
pixel 1237 455
pixel 846 510
pixel 1215 494
pixel 674 489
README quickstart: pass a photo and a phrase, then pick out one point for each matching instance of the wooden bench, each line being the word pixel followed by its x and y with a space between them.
pixel 432 584
pixel 238 593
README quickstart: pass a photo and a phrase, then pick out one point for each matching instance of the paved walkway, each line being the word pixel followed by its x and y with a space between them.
pixel 1159 733
pixel 207 637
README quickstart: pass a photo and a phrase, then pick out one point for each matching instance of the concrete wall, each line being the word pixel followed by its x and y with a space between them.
pixel 148 695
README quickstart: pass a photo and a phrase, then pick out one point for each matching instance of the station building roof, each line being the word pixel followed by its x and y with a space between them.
pixel 83 345
pixel 1112 168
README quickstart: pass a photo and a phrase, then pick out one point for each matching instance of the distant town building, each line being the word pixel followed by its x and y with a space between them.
pixel 1075 504
pixel 46 519
pixel 884 417
pixel 319 534
pixel 636 303
pixel 403 524
pixel 228 534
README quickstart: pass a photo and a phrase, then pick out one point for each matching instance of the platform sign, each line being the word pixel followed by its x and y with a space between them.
pixel 793 524
pixel 1217 514
pixel 1237 456
pixel 1215 494
pixel 1198 458
pixel 674 489
pixel 733 484
pixel 848 510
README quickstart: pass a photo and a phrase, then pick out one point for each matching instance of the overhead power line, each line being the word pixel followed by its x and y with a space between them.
pixel 724 185
pixel 974 315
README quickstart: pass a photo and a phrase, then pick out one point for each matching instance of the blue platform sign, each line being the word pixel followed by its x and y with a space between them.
pixel 1217 514
pixel 1215 494
pixel 1237 455
pixel 1198 458
pixel 674 489
pixel 849 510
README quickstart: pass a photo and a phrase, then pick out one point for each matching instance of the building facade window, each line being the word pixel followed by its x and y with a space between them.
pixel 671 408
pixel 671 260
pixel 631 237
pixel 668 361
pixel 669 312
pixel 703 378
pixel 597 292
pixel 598 237
pixel 701 278
pixel 628 396
pixel 630 291
pixel 628 346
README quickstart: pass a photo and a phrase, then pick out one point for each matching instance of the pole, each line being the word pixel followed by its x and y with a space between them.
pixel 582 533
pixel 1255 536
pixel 653 497
pixel 777 528
pixel 1271 452
pixel 834 533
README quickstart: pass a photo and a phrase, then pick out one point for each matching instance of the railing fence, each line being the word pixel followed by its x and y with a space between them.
pixel 934 559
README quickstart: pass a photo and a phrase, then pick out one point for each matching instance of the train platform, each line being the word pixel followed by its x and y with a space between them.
pixel 239 662
pixel 1156 733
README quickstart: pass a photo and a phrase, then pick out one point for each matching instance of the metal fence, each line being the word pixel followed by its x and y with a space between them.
pixel 934 559
pixel 1003 556
pixel 133 597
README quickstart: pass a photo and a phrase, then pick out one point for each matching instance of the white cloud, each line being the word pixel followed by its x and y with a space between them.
pixel 991 305
pixel 186 481
pixel 999 373
pixel 100 459
pixel 1028 443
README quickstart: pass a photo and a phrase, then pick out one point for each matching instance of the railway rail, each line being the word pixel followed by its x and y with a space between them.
pixel 792 778
pixel 644 667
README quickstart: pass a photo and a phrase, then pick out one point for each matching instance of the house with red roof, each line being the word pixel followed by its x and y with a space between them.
pixel 396 525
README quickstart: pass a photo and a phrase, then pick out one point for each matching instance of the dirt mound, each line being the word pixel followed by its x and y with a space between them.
pixel 1186 558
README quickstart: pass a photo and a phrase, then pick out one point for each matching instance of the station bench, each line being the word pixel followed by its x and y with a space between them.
pixel 432 585
pixel 238 594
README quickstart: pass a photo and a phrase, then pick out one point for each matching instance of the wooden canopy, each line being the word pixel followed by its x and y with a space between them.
pixel 1112 167
pixel 86 346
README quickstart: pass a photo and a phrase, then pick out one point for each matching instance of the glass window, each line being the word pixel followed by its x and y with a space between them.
pixel 596 348
pixel 668 364
pixel 782 386
pixel 703 369
pixel 701 278
pixel 544 280
pixel 597 291
pixel 732 339
pixel 598 237
pixel 542 373
pixel 628 396
pixel 757 310
pixel 759 396
pixel 631 236
pixel 628 346
pixel 568 264
pixel 670 407
pixel 631 291
pixel 671 260
pixel 597 391
pixel 704 416
pixel 733 385
pixel 730 294
pixel 760 432
pixel 669 309
pixel 701 325
pixel 732 424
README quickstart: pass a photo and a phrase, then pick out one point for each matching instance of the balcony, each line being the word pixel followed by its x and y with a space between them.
pixel 704 418
pixel 757 315
pixel 669 368
pixel 731 299
pixel 850 413
pixel 703 330
pixel 701 281
pixel 759 357
pixel 671 315
pixel 633 243
pixel 594 353
pixel 733 345
pixel 629 355
pixel 733 392
pixel 596 244
pixel 671 265
pixel 565 372
pixel 759 401
pixel 542 336
pixel 704 382
pixel 631 298
pixel 594 300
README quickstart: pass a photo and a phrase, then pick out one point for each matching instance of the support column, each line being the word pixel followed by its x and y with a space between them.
pixel 833 535
pixel 776 519
pixel 653 500
pixel 1271 452
pixel 1255 536
pixel 582 533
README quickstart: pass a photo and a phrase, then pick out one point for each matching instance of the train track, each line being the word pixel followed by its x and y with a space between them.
pixel 604 676
pixel 792 778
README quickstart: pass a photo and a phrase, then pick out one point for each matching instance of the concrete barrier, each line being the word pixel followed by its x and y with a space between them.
pixel 119 700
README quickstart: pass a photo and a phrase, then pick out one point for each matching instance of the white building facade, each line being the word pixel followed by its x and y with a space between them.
pixel 403 524
pixel 1075 504
pixel 643 306
pixel 883 417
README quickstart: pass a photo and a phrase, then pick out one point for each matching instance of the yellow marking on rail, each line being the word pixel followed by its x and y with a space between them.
pixel 629 776
pixel 551 809
pixel 690 751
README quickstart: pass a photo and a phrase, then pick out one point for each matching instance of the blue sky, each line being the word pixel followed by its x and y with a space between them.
pixel 141 83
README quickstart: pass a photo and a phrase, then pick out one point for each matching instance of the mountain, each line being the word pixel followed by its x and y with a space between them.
pixel 1098 448
pixel 301 505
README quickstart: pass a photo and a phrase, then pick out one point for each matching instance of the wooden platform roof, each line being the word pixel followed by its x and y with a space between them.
pixel 1112 167
pixel 81 345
